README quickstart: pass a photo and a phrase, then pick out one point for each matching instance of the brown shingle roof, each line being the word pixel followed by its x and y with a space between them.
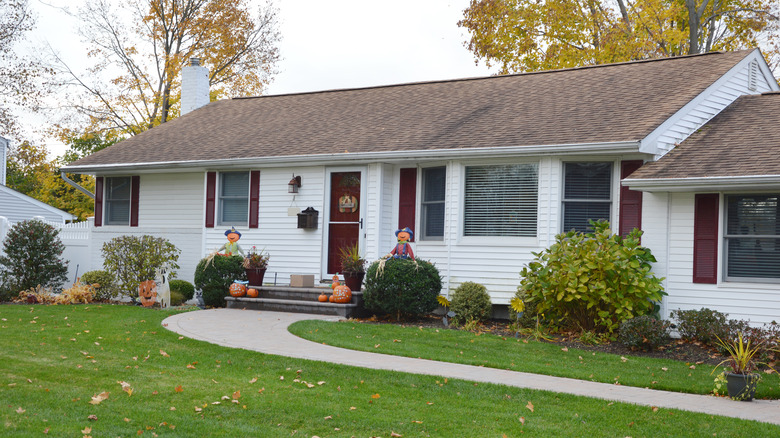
pixel 743 140
pixel 600 104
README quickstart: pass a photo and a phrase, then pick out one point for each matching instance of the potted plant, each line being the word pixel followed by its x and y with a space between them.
pixel 741 382
pixel 255 264
pixel 353 266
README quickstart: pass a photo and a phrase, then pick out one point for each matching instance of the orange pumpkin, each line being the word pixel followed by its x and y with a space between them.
pixel 237 290
pixel 341 293
pixel 252 293
pixel 323 298
pixel 147 292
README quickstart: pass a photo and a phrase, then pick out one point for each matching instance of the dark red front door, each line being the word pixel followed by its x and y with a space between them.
pixel 344 216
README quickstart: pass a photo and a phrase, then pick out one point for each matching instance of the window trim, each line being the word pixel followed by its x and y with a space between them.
pixel 725 236
pixel 219 199
pixel 107 201
pixel 614 184
pixel 423 204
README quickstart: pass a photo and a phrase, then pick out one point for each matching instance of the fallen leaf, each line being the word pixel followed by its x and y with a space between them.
pixel 92 417
pixel 86 430
pixel 522 420
pixel 178 389
pixel 329 417
pixel 375 396
pixel 393 434
pixel 352 408
pixel 236 395
pixel 665 369
pixel 46 431
pixel 127 420
pixel 655 408
pixel 190 366
pixel 253 380
pixel 97 399
pixel 164 353
pixel 20 410
pixel 126 387
pixel 530 406
pixel 321 382
pixel 197 409
pixel 173 408
pixel 693 367
pixel 565 349
pixel 281 377
pixel 623 359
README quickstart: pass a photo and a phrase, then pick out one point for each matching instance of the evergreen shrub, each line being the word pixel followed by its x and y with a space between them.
pixel 402 287
pixel 471 302
pixel 214 275
pixel 32 256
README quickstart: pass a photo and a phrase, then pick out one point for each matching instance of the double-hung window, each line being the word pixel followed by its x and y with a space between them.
pixel 434 185
pixel 587 194
pixel 233 199
pixel 117 200
pixel 501 200
pixel 752 237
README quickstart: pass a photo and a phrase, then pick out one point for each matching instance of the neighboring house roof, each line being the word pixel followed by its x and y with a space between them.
pixel 739 146
pixel 16 207
pixel 589 105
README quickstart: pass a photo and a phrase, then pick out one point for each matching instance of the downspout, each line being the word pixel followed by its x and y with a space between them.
pixel 75 185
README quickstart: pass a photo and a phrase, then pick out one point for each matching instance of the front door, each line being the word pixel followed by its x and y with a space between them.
pixel 345 217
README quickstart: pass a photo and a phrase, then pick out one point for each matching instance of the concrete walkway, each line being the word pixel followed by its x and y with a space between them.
pixel 238 329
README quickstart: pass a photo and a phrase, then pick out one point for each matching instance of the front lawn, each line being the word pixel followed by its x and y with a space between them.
pixel 58 359
pixel 493 351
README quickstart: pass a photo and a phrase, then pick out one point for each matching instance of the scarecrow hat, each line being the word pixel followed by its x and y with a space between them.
pixel 407 230
pixel 233 230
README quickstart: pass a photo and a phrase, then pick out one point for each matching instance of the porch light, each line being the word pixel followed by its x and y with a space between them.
pixel 294 184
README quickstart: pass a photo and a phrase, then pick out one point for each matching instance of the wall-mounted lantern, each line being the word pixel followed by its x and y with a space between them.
pixel 294 184
pixel 308 218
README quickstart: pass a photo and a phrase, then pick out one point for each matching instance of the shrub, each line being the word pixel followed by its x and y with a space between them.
pixel 185 288
pixel 177 299
pixel 471 302
pixel 32 256
pixel 704 325
pixel 644 332
pixel 402 287
pixel 528 318
pixel 593 281
pixel 106 288
pixel 214 275
pixel 134 259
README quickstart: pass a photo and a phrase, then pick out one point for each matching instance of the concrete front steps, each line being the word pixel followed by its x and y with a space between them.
pixel 298 300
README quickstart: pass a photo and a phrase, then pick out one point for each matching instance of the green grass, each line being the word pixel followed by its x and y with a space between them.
pixel 55 358
pixel 519 355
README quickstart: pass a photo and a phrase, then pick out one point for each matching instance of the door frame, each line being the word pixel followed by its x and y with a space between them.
pixel 326 217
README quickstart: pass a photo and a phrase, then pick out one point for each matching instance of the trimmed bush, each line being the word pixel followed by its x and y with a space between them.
pixel 176 298
pixel 106 289
pixel 32 256
pixel 185 288
pixel 593 281
pixel 133 259
pixel 402 287
pixel 703 325
pixel 471 302
pixel 644 332
pixel 213 277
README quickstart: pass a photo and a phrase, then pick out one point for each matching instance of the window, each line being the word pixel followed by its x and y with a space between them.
pixel 233 198
pixel 117 200
pixel 433 189
pixel 501 200
pixel 587 194
pixel 752 237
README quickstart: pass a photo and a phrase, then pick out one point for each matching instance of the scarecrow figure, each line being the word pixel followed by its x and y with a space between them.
pixel 403 250
pixel 232 246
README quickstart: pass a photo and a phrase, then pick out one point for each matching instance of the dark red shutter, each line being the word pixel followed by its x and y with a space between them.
pixel 705 238
pixel 407 201
pixel 135 184
pixel 211 196
pixel 630 200
pixel 254 198
pixel 99 201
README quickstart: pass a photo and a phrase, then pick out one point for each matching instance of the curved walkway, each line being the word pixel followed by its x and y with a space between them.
pixel 238 329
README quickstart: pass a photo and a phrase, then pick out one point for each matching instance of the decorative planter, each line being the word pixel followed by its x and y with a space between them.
pixel 255 276
pixel 742 386
pixel 354 280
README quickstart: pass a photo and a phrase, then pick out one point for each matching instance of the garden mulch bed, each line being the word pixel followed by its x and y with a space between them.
pixel 689 352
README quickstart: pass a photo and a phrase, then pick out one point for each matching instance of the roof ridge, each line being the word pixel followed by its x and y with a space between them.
pixel 496 76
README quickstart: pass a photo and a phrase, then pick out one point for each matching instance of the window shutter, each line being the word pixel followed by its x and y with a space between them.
pixel 211 194
pixel 407 201
pixel 99 201
pixel 134 187
pixel 630 200
pixel 254 198
pixel 705 238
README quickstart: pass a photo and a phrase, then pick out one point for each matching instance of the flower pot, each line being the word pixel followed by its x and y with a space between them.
pixel 255 276
pixel 742 386
pixel 354 280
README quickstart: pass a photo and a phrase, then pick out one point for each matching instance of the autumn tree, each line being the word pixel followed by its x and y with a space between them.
pixel 140 47
pixel 530 35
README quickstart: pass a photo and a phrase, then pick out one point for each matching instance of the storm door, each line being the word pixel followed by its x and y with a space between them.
pixel 345 217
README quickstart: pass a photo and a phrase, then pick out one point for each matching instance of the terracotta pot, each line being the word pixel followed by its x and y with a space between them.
pixel 742 386
pixel 255 276
pixel 354 280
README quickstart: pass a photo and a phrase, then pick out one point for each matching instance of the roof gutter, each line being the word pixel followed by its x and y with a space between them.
pixel 718 183
pixel 76 185
pixel 280 161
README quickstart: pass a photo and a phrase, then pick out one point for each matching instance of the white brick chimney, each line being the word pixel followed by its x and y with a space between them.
pixel 194 86
pixel 3 159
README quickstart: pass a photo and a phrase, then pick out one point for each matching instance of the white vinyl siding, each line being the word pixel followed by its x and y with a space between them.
pixel 752 238
pixel 233 199
pixel 587 194
pixel 117 200
pixel 501 200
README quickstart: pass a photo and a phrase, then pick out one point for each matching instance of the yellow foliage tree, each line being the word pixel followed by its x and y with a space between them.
pixel 530 35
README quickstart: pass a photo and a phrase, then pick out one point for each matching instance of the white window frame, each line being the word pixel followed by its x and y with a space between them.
pixel 221 198
pixel 108 201
pixel 614 180
pixel 422 236
pixel 728 239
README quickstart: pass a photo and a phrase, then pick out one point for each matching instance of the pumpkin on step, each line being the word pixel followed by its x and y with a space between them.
pixel 147 292
pixel 252 293
pixel 322 298
pixel 341 293
pixel 237 289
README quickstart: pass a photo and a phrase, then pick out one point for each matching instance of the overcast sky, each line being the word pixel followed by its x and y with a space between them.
pixel 327 44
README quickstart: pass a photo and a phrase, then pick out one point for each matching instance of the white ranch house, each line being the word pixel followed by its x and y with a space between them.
pixel 485 170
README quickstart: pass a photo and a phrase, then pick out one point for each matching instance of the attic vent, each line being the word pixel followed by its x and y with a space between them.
pixel 752 76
